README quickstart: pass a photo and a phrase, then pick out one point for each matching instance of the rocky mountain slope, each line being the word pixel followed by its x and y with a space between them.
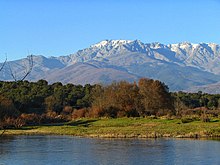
pixel 210 88
pixel 180 66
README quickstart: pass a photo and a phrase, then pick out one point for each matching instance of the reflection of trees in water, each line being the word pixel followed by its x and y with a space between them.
pixel 5 146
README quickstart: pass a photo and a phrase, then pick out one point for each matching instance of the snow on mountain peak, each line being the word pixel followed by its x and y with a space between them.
pixel 156 45
pixel 101 44
pixel 120 42
pixel 180 65
pixel 113 43
pixel 213 46
pixel 183 46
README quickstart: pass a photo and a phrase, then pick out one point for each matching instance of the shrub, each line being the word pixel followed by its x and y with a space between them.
pixel 7 108
pixel 11 123
pixel 164 112
pixel 31 119
pixel 186 120
pixel 67 110
pixel 214 113
pixel 79 113
pixel 121 114
pixel 205 118
pixel 95 112
pixel 189 119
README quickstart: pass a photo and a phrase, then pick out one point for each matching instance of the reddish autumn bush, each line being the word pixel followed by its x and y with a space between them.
pixel 31 119
pixel 79 113
pixel 67 110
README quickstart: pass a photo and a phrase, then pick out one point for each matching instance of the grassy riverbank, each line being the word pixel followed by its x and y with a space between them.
pixel 125 128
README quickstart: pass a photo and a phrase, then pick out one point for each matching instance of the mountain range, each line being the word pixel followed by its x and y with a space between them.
pixel 182 66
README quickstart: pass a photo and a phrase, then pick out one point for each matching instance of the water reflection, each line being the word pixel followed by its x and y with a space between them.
pixel 4 141
pixel 65 150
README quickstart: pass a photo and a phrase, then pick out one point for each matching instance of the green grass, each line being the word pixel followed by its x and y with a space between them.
pixel 125 128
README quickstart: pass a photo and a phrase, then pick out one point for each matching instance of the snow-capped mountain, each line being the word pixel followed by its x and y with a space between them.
pixel 180 66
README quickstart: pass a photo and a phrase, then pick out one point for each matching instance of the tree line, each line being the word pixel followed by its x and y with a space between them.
pixel 25 103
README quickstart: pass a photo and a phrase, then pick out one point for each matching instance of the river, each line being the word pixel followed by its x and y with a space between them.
pixel 68 150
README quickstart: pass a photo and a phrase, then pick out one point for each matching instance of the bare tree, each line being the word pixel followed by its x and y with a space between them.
pixel 3 65
pixel 28 66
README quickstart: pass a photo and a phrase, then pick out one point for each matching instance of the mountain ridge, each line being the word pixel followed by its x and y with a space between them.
pixel 190 64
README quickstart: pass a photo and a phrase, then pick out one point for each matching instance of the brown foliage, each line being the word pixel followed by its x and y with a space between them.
pixel 127 99
pixel 79 113
pixel 95 112
pixel 31 119
pixel 67 110
pixel 11 123
pixel 155 96
pixel 110 100
pixel 205 118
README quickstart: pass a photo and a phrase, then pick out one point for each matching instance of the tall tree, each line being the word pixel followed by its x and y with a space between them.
pixel 155 96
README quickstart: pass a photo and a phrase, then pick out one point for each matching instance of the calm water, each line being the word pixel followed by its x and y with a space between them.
pixel 58 150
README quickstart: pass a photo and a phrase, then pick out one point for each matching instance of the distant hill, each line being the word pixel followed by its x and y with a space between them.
pixel 181 66
pixel 211 88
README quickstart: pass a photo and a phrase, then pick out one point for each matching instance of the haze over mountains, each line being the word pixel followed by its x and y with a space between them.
pixel 181 66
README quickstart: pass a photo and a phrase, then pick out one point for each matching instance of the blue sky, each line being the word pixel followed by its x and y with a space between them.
pixel 61 27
